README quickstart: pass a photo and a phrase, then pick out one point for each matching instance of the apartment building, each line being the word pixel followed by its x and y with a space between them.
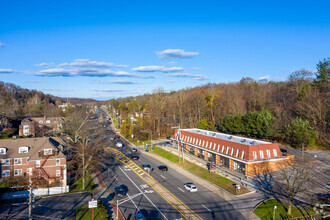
pixel 29 126
pixel 20 157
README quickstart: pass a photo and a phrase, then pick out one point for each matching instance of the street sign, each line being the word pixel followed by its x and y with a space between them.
pixel 92 204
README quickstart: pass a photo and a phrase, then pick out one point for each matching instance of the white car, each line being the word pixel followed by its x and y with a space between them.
pixel 190 187
pixel 119 144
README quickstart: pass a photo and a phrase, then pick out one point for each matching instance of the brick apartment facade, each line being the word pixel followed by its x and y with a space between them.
pixel 239 154
pixel 20 157
pixel 28 125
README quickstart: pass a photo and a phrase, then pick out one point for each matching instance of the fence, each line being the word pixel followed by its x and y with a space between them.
pixel 36 192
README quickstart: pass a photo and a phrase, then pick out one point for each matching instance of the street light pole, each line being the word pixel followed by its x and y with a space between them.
pixel 274 212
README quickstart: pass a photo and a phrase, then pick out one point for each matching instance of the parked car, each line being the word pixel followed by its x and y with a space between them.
pixel 135 157
pixel 112 138
pixel 119 144
pixel 121 190
pixel 139 215
pixel 134 149
pixel 163 168
pixel 190 187
pixel 169 137
pixel 146 167
pixel 283 150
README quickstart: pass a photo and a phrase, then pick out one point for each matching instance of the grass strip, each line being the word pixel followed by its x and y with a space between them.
pixel 78 185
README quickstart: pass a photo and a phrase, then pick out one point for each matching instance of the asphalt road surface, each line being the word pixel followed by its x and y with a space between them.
pixel 204 203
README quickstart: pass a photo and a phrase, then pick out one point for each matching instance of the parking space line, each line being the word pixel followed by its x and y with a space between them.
pixel 180 189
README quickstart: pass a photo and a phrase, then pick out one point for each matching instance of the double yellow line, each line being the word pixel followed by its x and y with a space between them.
pixel 123 156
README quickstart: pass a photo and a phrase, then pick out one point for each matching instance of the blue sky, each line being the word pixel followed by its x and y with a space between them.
pixel 109 49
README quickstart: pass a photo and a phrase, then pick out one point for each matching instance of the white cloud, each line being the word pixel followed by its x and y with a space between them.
pixel 264 77
pixel 57 90
pixel 88 72
pixel 176 53
pixel 6 71
pixel 157 69
pixel 44 64
pixel 189 75
pixel 86 63
pixel 128 82
pixel 1 44
pixel 195 68
pixel 107 90
pixel 172 62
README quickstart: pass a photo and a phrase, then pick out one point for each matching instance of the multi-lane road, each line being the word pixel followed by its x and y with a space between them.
pixel 202 204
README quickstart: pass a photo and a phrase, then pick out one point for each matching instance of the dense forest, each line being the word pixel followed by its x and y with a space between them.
pixel 294 112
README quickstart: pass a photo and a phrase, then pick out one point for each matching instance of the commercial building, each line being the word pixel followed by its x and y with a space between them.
pixel 244 155
pixel 24 156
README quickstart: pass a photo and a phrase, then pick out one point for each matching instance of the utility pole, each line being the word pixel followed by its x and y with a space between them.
pixel 30 201
pixel 180 149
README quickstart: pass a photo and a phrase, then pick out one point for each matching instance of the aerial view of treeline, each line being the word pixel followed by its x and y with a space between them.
pixel 294 112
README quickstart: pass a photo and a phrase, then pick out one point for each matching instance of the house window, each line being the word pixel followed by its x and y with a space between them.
pixel 5 173
pixel 58 162
pixel 275 152
pixel 232 152
pixel 200 141
pixel 237 152
pixel 268 153
pixel 218 147
pixel 203 144
pixel 48 151
pixel 243 153
pixel 261 154
pixel 18 172
pixel 37 163
pixel 5 162
pixel 3 150
pixel 18 161
pixel 23 150
pixel 41 122
pixel 29 171
pixel 214 146
pixel 227 150
pixel 223 149
pixel 207 144
pixel 48 122
pixel 58 172
pixel 26 127
pixel 254 155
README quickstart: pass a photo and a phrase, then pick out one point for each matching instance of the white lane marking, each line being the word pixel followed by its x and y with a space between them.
pixel 163 176
pixel 180 189
pixel 206 208
pixel 143 193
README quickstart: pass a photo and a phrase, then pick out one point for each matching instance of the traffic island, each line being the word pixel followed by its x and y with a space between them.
pixel 274 209
pixel 100 213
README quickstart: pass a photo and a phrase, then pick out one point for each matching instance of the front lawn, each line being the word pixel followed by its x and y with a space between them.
pixel 265 210
pixel 218 180
pixel 100 213
pixel 78 185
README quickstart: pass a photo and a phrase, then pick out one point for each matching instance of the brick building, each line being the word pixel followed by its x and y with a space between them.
pixel 52 124
pixel 239 154
pixel 20 157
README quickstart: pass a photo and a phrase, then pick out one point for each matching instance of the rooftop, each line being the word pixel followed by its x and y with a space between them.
pixel 226 137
